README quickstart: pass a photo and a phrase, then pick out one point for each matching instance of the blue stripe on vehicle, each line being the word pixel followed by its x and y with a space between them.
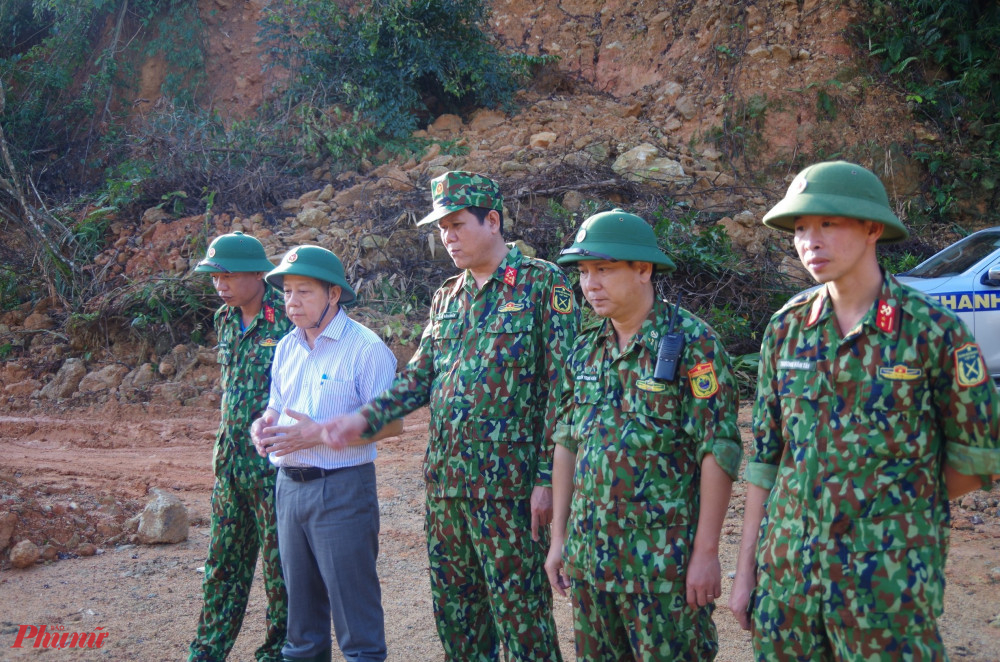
pixel 968 301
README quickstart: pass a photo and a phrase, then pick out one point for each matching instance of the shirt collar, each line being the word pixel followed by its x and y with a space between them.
pixel 334 330
pixel 883 317
pixel 649 331
pixel 270 299
pixel 512 260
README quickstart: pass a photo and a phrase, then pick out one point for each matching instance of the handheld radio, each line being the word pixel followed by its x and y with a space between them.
pixel 671 346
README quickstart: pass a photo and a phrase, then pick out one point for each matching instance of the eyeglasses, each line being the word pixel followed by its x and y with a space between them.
pixel 584 252
pixel 214 265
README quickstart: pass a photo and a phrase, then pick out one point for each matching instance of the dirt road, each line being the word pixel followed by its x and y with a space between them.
pixel 58 469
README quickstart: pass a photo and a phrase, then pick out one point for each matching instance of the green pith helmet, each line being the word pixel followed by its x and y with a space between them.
pixel 837 188
pixel 234 253
pixel 314 262
pixel 616 235
pixel 457 190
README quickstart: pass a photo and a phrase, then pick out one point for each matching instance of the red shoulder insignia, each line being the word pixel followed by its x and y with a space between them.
pixel 510 276
pixel 885 319
pixel 269 313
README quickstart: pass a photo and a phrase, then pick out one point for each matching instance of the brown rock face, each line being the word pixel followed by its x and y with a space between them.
pixel 66 380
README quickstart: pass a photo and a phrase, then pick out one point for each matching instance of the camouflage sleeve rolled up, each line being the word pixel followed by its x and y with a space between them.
pixel 967 406
pixel 711 411
pixel 562 433
pixel 768 441
pixel 558 335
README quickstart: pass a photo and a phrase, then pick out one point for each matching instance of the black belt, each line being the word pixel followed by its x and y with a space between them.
pixel 303 474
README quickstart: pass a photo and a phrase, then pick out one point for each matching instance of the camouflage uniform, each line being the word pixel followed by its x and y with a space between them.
pixel 243 514
pixel 636 489
pixel 487 363
pixel 849 438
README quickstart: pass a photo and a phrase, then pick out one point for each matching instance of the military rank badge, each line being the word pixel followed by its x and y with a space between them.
pixel 650 385
pixel 900 373
pixel 703 381
pixel 269 313
pixel 510 276
pixel 969 367
pixel 562 299
pixel 511 307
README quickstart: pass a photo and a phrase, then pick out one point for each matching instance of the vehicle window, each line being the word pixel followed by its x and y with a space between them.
pixel 959 257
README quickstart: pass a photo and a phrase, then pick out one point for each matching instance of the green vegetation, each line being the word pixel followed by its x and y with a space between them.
pixel 944 57
pixel 739 136
pixel 392 63
pixel 362 81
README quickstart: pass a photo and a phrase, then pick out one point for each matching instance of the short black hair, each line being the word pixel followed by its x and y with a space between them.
pixel 482 212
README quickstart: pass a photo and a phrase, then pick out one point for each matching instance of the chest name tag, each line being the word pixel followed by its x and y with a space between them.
pixel 789 364
pixel 586 377
pixel 447 316
pixel 650 385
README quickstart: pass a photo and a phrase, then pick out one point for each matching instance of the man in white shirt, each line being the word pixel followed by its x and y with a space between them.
pixel 327 505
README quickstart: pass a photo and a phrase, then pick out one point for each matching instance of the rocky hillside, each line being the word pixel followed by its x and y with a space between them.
pixel 709 105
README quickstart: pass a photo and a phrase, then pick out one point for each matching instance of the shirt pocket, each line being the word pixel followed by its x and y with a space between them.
pixel 660 408
pixel 446 335
pixel 895 415
pixel 804 403
pixel 262 356
pixel 342 394
pixel 587 397
pixel 894 569
pixel 505 384
pixel 648 542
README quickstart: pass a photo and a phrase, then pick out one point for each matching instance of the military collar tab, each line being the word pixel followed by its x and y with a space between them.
pixel 816 309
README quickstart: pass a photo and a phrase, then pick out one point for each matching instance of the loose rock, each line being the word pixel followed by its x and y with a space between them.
pixel 24 554
pixel 164 520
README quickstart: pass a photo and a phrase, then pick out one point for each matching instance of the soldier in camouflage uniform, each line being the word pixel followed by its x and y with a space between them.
pixel 488 365
pixel 643 466
pixel 248 325
pixel 873 408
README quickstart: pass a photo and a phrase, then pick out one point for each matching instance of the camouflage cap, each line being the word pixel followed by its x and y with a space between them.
pixel 457 190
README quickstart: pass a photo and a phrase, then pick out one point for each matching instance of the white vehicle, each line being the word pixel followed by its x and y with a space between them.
pixel 966 278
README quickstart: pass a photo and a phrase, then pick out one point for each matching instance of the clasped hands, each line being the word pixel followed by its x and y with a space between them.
pixel 305 433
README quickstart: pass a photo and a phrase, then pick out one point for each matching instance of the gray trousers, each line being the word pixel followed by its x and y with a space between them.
pixel 328 542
